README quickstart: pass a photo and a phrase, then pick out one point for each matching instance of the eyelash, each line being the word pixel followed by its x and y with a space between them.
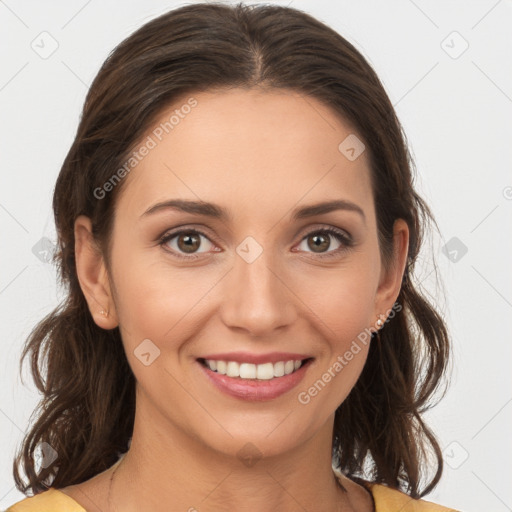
pixel 345 240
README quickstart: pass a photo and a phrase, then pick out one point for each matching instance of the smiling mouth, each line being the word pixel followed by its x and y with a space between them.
pixel 249 371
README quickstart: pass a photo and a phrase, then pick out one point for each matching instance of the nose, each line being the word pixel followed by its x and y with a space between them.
pixel 258 297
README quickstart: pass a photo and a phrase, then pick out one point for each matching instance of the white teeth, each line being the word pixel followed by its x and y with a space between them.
pixel 279 369
pixel 248 371
pixel 264 371
pixel 289 366
pixel 233 369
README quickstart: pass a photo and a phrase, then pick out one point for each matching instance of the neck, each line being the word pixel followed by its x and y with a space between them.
pixel 179 472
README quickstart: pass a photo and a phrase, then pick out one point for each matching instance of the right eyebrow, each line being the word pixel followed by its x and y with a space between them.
pixel 187 206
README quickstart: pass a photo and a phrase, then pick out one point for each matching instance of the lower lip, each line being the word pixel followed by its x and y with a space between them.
pixel 254 389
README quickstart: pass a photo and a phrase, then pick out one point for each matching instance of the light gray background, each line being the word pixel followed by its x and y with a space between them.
pixel 456 109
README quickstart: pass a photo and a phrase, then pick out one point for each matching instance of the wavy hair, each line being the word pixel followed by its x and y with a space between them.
pixel 87 409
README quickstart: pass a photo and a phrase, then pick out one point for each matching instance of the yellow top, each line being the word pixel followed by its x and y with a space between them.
pixel 386 500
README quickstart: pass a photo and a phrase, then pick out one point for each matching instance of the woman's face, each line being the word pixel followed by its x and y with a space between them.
pixel 260 280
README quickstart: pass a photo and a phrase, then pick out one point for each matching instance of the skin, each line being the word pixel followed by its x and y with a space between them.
pixel 259 154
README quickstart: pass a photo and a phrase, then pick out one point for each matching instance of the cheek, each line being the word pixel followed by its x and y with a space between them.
pixel 344 312
pixel 160 301
pixel 342 298
pixel 342 305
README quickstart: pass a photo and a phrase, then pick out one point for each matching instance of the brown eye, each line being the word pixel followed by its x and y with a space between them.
pixel 319 242
pixel 189 242
pixel 186 243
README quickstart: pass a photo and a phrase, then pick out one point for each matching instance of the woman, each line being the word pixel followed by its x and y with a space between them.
pixel 238 231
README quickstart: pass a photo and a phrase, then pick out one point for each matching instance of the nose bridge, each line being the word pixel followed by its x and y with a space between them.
pixel 257 299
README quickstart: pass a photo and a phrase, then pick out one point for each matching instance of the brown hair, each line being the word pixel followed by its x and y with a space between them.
pixel 88 405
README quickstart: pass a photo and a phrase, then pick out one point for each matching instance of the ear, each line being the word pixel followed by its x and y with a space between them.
pixel 391 278
pixel 93 276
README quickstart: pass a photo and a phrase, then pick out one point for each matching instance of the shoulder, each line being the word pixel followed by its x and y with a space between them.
pixel 390 500
pixel 51 500
pixel 387 499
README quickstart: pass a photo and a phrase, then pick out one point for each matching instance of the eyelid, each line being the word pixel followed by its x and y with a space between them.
pixel 324 227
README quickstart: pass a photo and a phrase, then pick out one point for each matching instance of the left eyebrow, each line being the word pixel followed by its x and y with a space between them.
pixel 327 207
pixel 214 211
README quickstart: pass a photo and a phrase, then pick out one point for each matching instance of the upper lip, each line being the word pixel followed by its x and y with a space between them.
pixel 247 357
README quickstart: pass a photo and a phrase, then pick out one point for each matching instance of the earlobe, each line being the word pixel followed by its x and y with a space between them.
pixel 391 278
pixel 93 276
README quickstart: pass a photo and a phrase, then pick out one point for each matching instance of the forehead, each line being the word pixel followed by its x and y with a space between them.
pixel 254 151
